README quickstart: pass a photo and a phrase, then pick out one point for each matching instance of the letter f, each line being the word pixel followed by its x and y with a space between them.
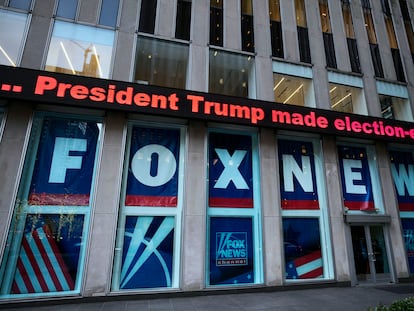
pixel 62 161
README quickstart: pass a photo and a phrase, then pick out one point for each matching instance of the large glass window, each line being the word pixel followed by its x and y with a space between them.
pixel 347 98
pixel 231 74
pixel 394 101
pixel 402 169
pixel 234 239
pixel 80 50
pixel 47 239
pixel 276 28
pixel 162 63
pixel 304 213
pixel 147 248
pixel 292 90
pixel 11 42
pixel 361 190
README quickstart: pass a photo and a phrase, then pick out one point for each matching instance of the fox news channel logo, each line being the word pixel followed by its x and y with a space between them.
pixel 231 249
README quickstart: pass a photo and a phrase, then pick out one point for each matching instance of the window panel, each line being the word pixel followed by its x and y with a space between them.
pixel 346 98
pixel 276 28
pixel 161 63
pixel 292 90
pixel 402 169
pixel 80 50
pixel 247 33
pixel 47 238
pixel 147 16
pixel 216 22
pixel 395 108
pixel 408 235
pixel 234 239
pixel 147 248
pixel 11 42
pixel 109 13
pixel 20 4
pixel 231 251
pixel 183 20
pixel 67 8
pixel 231 74
pixel 302 248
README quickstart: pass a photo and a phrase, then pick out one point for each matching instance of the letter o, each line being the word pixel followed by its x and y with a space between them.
pixel 141 165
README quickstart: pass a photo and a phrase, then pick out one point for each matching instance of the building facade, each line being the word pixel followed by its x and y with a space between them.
pixel 152 146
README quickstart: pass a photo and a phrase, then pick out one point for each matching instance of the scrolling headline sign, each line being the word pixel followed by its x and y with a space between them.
pixel 71 90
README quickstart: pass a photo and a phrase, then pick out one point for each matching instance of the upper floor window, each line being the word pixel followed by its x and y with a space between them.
pixel 247 33
pixel 67 8
pixel 276 28
pixel 327 34
pixel 350 37
pixel 407 25
pixel 302 28
pixel 160 62
pixel 216 22
pixel 346 93
pixel 11 42
pixel 80 49
pixel 183 20
pixel 231 74
pixel 20 4
pixel 147 16
pixel 394 101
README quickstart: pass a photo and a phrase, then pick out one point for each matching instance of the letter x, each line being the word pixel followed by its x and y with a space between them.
pixel 231 169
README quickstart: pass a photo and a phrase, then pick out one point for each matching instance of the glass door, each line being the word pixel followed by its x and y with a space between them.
pixel 370 254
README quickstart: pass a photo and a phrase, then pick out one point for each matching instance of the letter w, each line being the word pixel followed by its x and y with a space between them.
pixel 303 175
pixel 231 169
pixel 403 178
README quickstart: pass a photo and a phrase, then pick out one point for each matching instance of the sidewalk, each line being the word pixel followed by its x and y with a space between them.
pixel 331 299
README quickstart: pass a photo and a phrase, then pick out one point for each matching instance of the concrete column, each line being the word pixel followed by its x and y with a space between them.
pixel 12 151
pixel 194 222
pixel 391 208
pixel 165 20
pixel 232 24
pixel 38 34
pixel 342 259
pixel 339 36
pixel 272 231
pixel 365 59
pixel 263 60
pixel 105 211
pixel 88 12
pixel 289 28
pixel 124 56
pixel 197 78
pixel 320 74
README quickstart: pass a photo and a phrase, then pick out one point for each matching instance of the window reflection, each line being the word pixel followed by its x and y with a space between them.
pixel 292 90
pixel 80 50
pixel 231 74
pixel 161 63
pixel 345 98
pixel 395 108
pixel 11 42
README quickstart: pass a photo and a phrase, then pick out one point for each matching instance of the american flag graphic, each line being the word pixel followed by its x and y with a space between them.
pixel 40 266
pixel 305 267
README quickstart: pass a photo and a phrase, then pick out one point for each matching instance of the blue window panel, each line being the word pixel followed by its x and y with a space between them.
pixel 109 13
pixel 147 255
pixel 302 247
pixel 231 251
pixel 67 8
pixel 20 4
pixel 408 234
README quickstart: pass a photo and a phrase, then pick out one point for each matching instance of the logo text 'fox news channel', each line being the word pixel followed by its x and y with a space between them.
pixel 231 249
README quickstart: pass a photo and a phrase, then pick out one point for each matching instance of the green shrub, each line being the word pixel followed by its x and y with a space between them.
pixel 406 304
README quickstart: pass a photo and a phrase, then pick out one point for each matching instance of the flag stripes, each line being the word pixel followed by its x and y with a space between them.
pixel 40 266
